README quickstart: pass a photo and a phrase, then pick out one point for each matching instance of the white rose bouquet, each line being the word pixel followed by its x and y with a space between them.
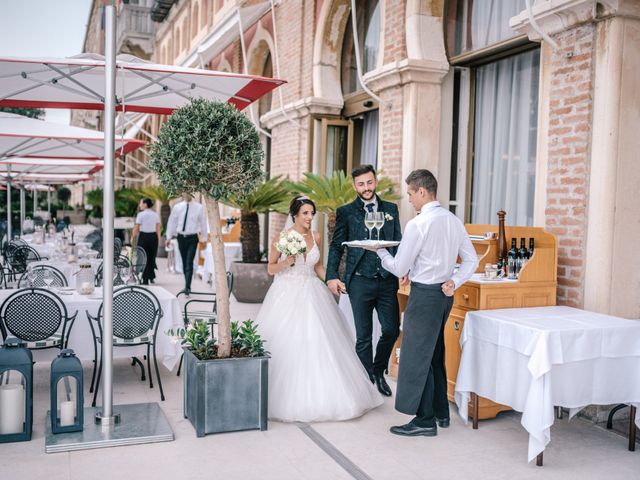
pixel 291 243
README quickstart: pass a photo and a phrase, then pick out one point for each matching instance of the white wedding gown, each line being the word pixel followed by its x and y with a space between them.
pixel 314 372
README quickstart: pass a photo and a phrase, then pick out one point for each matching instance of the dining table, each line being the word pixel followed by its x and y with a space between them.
pixel 533 359
pixel 168 347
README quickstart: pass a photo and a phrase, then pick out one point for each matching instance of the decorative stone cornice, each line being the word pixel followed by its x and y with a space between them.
pixel 300 109
pixel 406 71
pixel 554 16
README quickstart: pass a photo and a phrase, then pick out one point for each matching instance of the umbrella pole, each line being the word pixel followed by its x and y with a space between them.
pixel 49 200
pixel 23 210
pixel 35 201
pixel 106 417
pixel 9 205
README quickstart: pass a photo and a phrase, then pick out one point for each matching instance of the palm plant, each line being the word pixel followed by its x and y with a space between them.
pixel 94 197
pixel 331 192
pixel 271 195
pixel 159 194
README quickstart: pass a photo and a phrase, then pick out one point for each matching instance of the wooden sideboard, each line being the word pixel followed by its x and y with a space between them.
pixel 535 287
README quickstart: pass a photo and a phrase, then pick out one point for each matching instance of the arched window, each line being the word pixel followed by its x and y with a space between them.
pixel 204 12
pixel 368 19
pixel 264 104
pixel 185 35
pixel 194 20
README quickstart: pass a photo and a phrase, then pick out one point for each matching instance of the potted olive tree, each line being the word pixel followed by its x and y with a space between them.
pixel 250 277
pixel 211 148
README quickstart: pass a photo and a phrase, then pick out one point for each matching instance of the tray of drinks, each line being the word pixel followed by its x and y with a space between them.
pixel 371 243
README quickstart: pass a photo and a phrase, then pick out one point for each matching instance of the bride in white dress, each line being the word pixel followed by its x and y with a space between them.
pixel 314 372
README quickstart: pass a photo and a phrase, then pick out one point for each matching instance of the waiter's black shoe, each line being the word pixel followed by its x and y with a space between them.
pixel 381 383
pixel 442 422
pixel 412 430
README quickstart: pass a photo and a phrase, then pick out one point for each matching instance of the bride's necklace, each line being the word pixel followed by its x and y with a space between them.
pixel 305 234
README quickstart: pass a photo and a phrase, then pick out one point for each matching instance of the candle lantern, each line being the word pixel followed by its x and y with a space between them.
pixel 67 399
pixel 16 392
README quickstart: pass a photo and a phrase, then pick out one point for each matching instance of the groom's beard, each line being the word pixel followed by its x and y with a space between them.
pixel 369 195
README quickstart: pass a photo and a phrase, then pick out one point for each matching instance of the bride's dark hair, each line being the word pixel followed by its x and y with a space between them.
pixel 297 203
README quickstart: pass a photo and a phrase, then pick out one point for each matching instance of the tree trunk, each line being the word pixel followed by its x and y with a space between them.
pixel 165 212
pixel 222 290
pixel 250 237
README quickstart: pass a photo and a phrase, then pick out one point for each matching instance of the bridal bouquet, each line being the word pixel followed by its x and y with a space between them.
pixel 291 243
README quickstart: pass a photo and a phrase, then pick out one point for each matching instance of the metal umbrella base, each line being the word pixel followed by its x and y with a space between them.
pixel 139 423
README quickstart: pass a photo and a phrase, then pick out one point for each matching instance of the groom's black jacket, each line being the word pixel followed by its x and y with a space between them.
pixel 350 226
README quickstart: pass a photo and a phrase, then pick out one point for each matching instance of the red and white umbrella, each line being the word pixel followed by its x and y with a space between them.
pixel 125 84
pixel 22 136
pixel 79 82
pixel 18 168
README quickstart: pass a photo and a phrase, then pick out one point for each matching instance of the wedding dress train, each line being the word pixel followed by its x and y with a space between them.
pixel 314 372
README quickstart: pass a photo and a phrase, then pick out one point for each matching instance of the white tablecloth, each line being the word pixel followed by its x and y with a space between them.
pixel 81 340
pixel 534 358
pixel 70 269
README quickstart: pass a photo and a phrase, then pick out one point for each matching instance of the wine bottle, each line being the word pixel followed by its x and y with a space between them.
pixel 530 248
pixel 502 242
pixel 521 257
pixel 512 260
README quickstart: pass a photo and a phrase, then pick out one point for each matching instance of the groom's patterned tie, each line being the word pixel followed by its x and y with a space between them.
pixel 369 207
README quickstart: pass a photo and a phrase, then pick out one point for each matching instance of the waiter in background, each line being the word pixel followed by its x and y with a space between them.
pixel 186 221
pixel 147 231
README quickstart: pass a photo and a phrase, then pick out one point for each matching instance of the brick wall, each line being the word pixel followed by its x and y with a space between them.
pixel 570 112
pixel 395 36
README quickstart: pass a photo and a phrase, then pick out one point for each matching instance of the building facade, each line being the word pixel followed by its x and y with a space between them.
pixel 533 111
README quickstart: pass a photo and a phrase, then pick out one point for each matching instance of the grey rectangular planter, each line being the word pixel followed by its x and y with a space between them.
pixel 225 395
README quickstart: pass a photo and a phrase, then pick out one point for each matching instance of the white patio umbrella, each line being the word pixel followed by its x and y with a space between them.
pixel 125 84
pixel 22 136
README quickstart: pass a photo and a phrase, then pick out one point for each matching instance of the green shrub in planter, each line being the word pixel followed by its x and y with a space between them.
pixel 210 148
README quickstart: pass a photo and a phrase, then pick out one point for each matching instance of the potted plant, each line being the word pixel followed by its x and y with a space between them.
pixel 94 199
pixel 213 387
pixel 250 277
pixel 211 148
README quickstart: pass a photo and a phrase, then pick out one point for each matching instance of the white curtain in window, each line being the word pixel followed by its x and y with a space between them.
pixel 369 148
pixel 506 111
pixel 490 21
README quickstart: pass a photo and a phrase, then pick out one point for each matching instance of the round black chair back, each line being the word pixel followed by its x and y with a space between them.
pixel 59 280
pixel 139 260
pixel 32 314
pixel 136 312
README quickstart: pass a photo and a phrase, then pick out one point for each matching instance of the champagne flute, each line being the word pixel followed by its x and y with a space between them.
pixel 47 277
pixel 32 275
pixel 379 216
pixel 369 222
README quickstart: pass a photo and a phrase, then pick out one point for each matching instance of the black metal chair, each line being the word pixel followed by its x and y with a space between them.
pixel 136 316
pixel 120 264
pixel 21 257
pixel 38 317
pixel 195 309
pixel 38 273
pixel 139 262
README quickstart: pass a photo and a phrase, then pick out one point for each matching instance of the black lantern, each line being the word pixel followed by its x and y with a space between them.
pixel 67 399
pixel 16 392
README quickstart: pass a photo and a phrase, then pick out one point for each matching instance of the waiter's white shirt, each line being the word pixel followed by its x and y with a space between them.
pixel 196 222
pixel 430 247
pixel 147 219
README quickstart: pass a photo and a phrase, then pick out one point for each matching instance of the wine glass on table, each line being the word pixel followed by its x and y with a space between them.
pixel 369 222
pixel 379 216
pixel 32 275
pixel 47 278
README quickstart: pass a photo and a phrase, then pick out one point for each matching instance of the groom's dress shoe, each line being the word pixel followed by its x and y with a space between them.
pixel 442 422
pixel 412 430
pixel 383 386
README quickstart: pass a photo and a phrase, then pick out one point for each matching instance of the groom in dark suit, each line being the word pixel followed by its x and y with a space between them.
pixel 369 285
